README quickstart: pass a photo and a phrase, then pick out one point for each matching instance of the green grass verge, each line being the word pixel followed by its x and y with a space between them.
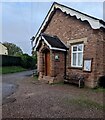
pixel 35 77
pixel 100 89
pixel 58 83
pixel 85 103
pixel 11 69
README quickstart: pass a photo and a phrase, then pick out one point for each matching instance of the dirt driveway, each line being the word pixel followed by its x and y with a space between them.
pixel 34 99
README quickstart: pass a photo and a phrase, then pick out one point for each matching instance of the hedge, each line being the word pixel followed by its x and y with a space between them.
pixel 28 62
pixel 24 60
pixel 10 60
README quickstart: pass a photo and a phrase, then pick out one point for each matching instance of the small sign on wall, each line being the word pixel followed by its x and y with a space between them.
pixel 56 57
pixel 87 65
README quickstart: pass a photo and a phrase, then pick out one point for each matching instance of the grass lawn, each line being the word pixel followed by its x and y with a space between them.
pixel 100 89
pixel 83 102
pixel 11 69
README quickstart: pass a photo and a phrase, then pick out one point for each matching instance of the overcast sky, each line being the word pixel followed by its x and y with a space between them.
pixel 21 20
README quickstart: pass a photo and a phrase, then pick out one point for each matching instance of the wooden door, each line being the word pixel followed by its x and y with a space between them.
pixel 47 64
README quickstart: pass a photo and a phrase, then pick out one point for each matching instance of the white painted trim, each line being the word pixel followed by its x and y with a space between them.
pixel 47 18
pixel 46 42
pixel 52 48
pixel 95 24
pixel 37 43
pixel 76 66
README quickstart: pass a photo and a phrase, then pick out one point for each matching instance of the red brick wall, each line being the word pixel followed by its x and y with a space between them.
pixel 100 53
pixel 103 35
pixel 59 64
pixel 68 28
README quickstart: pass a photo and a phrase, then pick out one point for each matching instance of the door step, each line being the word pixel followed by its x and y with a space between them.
pixel 47 79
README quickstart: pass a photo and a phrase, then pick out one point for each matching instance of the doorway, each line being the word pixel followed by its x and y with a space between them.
pixel 47 63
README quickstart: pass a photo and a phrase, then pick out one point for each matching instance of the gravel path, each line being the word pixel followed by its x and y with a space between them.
pixel 34 99
pixel 9 82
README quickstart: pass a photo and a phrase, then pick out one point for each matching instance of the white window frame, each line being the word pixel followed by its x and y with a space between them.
pixel 77 52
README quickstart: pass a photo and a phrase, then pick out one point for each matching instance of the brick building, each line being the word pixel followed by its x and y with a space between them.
pixel 70 42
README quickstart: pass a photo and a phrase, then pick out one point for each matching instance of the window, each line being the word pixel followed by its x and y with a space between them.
pixel 77 55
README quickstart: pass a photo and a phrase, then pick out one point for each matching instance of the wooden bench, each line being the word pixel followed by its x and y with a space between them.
pixel 75 78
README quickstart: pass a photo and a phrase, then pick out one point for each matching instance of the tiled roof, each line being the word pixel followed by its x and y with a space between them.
pixel 54 41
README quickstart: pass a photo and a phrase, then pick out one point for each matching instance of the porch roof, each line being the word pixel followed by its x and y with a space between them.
pixel 53 42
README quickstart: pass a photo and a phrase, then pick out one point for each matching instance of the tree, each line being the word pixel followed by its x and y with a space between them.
pixel 28 61
pixel 13 49
pixel 34 55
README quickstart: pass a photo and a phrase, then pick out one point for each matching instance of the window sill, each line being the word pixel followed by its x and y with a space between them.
pixel 87 71
pixel 70 67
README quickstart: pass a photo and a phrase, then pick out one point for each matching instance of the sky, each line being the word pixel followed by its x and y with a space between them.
pixel 21 20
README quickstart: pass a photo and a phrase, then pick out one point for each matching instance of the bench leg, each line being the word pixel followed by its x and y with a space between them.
pixel 79 84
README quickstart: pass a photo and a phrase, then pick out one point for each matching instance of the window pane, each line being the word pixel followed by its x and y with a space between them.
pixel 75 48
pixel 80 59
pixel 79 47
pixel 74 59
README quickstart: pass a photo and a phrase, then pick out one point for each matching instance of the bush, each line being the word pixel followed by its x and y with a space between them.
pixel 28 62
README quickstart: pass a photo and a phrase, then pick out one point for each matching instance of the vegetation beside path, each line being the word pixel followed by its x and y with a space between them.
pixel 11 69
